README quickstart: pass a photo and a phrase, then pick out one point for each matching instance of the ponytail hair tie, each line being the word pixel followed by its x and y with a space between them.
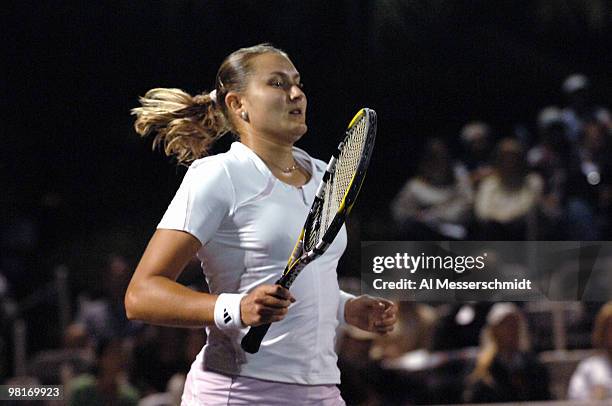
pixel 213 96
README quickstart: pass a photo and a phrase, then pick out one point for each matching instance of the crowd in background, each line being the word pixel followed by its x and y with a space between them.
pixel 473 353
pixel 556 186
pixel 106 359
pixel 438 354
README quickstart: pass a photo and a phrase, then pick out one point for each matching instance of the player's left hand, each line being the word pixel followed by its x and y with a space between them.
pixel 372 314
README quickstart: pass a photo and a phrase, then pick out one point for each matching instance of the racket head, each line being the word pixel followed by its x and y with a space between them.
pixel 341 182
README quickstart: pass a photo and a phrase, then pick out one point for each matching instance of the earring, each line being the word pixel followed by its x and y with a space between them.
pixel 244 115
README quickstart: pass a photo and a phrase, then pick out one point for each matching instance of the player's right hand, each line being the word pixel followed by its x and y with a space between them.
pixel 265 304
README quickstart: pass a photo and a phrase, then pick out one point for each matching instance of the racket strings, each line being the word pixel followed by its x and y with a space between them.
pixel 346 166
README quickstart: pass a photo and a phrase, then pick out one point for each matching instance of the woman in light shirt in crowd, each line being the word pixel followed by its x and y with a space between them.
pixel 592 379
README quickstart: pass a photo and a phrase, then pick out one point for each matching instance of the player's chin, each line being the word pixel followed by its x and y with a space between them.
pixel 297 131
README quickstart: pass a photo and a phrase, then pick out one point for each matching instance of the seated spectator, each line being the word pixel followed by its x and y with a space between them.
pixel 370 364
pixel 166 348
pixel 459 325
pixel 413 331
pixel 104 316
pixel 550 158
pixel 592 379
pixel 172 395
pixel 109 386
pixel 358 372
pixel 581 108
pixel 506 371
pixel 477 146
pixel 506 202
pixel 590 185
pixel 59 366
pixel 435 204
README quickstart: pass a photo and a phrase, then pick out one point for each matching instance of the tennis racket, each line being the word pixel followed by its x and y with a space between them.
pixel 333 201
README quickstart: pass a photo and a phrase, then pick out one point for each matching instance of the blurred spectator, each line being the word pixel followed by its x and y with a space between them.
pixel 592 379
pixel 413 331
pixel 477 147
pixel 361 354
pixel 505 369
pixel 506 201
pixel 109 386
pixel 580 108
pixel 550 158
pixel 411 371
pixel 436 203
pixel 358 373
pixel 104 316
pixel 167 348
pixel 59 366
pixel 590 185
pixel 172 395
pixel 459 326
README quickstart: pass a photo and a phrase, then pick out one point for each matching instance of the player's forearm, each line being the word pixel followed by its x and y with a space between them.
pixel 159 300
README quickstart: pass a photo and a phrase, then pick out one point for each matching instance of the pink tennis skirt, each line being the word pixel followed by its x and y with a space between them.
pixel 211 388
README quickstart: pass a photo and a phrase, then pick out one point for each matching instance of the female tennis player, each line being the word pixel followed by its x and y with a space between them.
pixel 241 212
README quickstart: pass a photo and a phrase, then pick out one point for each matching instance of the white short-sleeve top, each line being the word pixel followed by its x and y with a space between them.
pixel 248 222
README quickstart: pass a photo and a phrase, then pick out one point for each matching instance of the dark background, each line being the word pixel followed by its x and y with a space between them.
pixel 78 184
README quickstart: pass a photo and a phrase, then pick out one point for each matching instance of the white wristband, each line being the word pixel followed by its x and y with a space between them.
pixel 227 311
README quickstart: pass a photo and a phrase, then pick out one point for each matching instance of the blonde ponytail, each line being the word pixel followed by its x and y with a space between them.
pixel 186 126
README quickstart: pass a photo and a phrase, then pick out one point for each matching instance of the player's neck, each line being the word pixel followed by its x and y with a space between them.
pixel 279 159
pixel 271 152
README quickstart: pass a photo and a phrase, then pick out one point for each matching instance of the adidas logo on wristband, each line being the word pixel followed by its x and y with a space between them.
pixel 227 311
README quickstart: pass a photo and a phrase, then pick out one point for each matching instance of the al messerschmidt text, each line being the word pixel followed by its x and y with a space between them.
pixel 496 284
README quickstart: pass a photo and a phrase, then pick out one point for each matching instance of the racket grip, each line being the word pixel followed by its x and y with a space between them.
pixel 253 338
